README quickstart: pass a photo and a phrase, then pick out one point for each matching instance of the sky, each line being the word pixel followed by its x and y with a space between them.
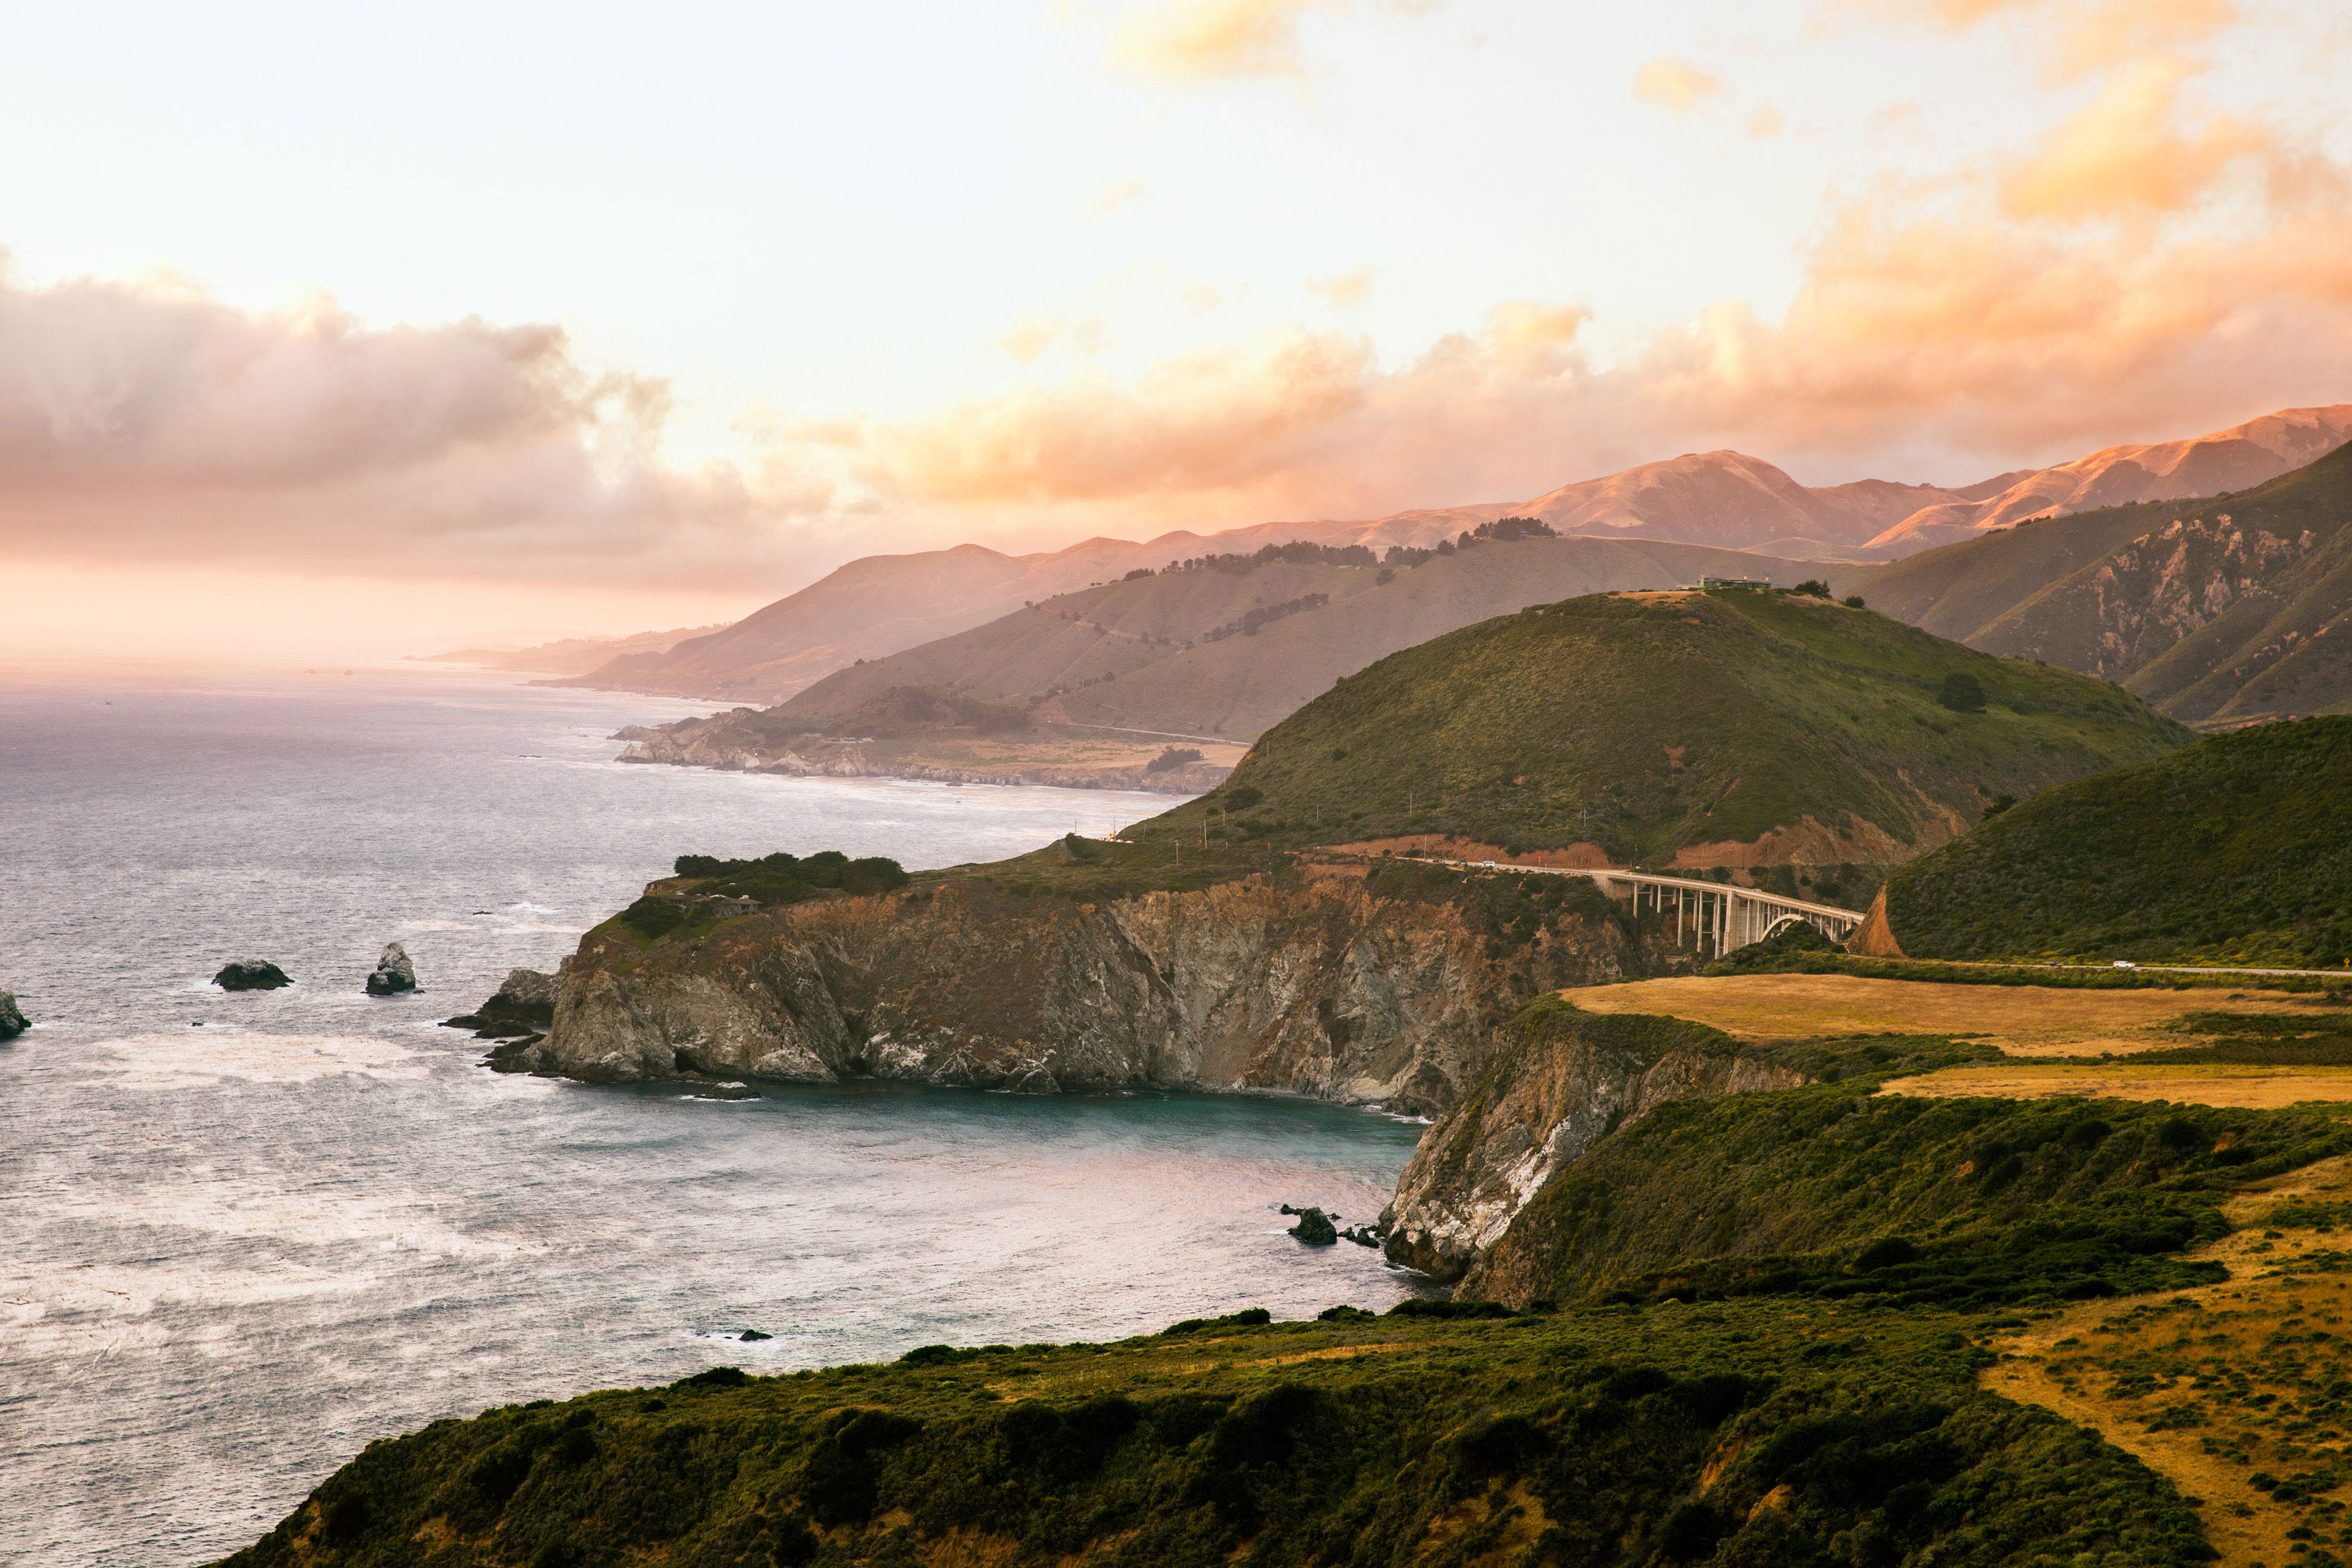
pixel 434 322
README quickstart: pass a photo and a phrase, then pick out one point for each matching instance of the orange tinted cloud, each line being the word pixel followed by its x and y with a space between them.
pixel 2075 35
pixel 1968 315
pixel 2126 149
pixel 154 422
pixel 1348 289
pixel 1191 40
pixel 1675 84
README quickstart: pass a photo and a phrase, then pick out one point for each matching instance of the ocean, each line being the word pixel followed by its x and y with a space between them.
pixel 242 1235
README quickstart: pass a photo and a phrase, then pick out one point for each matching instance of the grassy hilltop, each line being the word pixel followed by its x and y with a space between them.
pixel 2237 850
pixel 1654 723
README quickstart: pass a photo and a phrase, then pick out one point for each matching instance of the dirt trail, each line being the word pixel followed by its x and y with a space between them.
pixel 2153 1375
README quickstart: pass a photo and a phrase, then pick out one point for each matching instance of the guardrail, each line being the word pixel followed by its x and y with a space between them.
pixel 1720 916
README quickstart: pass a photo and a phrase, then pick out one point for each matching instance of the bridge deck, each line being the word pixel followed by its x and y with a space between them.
pixel 1731 892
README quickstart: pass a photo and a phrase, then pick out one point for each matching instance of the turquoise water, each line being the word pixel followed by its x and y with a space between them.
pixel 243 1235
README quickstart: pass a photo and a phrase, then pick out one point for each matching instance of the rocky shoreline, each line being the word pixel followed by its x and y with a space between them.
pixel 1315 986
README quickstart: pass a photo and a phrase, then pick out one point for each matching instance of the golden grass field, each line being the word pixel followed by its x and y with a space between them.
pixel 2021 1020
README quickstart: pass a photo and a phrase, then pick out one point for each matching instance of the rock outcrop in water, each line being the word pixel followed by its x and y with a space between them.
pixel 1315 1228
pixel 251 974
pixel 1318 985
pixel 1555 1081
pixel 524 1004
pixel 12 1020
pixel 395 972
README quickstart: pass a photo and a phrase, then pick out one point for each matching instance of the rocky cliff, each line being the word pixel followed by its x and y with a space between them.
pixel 1322 985
pixel 1554 1082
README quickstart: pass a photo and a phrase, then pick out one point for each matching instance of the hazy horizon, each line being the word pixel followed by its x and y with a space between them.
pixel 554 318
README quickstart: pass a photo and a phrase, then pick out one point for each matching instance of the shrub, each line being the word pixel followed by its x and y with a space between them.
pixel 1854 602
pixel 1962 694
pixel 653 917
pixel 1173 757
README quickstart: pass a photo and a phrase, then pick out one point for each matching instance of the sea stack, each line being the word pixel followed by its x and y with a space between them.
pixel 393 972
pixel 12 1020
pixel 251 974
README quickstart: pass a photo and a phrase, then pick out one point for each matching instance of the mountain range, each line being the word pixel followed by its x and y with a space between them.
pixel 1230 650
pixel 2234 610
pixel 882 605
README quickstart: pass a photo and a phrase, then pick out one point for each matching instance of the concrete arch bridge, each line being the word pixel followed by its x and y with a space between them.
pixel 1714 916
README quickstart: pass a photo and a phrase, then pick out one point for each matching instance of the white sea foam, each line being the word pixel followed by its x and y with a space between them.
pixel 196 1058
pixel 236 1205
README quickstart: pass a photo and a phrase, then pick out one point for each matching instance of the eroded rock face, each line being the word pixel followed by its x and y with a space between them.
pixel 526 996
pixel 1320 987
pixel 12 1020
pixel 395 972
pixel 1555 1081
pixel 251 974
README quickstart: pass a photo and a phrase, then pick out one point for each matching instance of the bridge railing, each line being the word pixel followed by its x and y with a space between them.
pixel 1717 916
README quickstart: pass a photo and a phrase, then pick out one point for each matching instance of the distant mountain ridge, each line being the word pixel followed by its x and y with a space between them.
pixel 1163 652
pixel 881 605
pixel 2230 610
pixel 2233 459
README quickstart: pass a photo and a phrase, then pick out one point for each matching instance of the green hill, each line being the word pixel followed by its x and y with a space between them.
pixel 2237 849
pixel 2235 607
pixel 1655 725
pixel 1230 650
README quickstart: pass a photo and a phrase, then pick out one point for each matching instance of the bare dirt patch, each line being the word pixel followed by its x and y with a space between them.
pixel 2021 1020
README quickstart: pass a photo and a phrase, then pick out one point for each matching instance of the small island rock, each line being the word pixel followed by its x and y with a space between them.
pixel 250 974
pixel 393 972
pixel 12 1020
pixel 1315 1228
pixel 524 1005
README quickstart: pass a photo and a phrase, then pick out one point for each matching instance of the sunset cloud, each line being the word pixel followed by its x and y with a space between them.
pixel 151 422
pixel 2076 36
pixel 2127 150
pixel 1677 85
pixel 1346 289
pixel 1192 40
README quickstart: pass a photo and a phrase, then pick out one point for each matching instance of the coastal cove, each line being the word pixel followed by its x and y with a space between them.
pixel 249 1234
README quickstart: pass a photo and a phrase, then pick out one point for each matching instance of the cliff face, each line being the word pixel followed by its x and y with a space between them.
pixel 1315 986
pixel 1555 1081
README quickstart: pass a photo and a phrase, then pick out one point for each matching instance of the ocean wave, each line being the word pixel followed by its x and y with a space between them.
pixel 199 1059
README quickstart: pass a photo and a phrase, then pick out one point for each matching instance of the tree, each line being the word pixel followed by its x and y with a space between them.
pixel 1853 601
pixel 1962 694
pixel 1812 588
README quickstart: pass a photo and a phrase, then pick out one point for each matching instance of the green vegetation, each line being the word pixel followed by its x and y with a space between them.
pixel 2237 850
pixel 1510 911
pixel 1745 1433
pixel 1837 1192
pixel 771 881
pixel 1098 870
pixel 1646 723
pixel 1804 961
